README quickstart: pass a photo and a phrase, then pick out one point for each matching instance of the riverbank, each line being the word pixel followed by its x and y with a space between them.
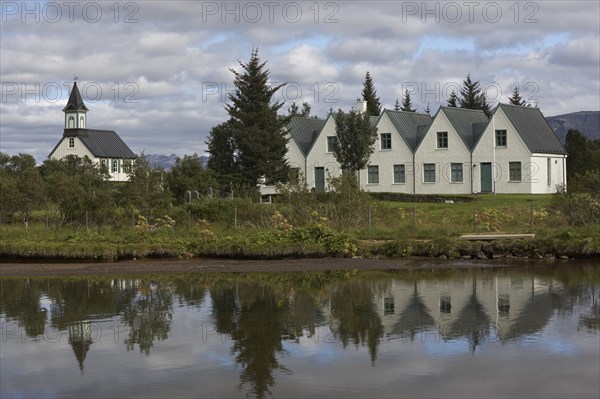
pixel 204 265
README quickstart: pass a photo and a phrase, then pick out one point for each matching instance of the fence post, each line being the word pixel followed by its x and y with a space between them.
pixel 235 218
pixel 189 220
pixel 532 218
pixel 474 222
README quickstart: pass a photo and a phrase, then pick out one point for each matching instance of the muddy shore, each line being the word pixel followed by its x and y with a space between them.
pixel 201 265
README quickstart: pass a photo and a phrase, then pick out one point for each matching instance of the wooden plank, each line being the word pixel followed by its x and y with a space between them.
pixel 491 237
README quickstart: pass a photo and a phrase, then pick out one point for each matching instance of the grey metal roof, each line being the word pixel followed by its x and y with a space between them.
pixel 304 131
pixel 101 143
pixel 533 128
pixel 412 126
pixel 468 123
pixel 75 102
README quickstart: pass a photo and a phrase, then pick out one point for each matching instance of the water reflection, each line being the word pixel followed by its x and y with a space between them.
pixel 260 313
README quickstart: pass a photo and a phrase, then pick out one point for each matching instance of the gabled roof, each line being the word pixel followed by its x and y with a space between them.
pixel 304 131
pixel 412 126
pixel 101 143
pixel 469 124
pixel 75 102
pixel 533 128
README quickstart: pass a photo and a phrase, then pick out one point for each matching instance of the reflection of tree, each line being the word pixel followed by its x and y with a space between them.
pixel 357 319
pixel 253 315
pixel 20 300
pixel 148 316
pixel 190 290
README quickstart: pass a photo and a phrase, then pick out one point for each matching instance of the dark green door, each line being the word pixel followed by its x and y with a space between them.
pixel 486 177
pixel 320 179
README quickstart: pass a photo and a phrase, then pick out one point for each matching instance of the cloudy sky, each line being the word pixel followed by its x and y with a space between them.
pixel 157 72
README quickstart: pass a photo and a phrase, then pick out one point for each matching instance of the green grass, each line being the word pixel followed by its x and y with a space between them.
pixel 398 228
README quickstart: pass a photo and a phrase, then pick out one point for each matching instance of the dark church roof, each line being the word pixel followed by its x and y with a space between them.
pixel 101 143
pixel 75 102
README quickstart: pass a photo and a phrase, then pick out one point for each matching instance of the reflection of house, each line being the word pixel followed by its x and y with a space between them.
pixel 101 146
pixel 80 338
pixel 501 308
pixel 458 151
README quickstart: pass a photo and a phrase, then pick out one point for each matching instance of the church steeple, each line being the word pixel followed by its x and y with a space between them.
pixel 75 110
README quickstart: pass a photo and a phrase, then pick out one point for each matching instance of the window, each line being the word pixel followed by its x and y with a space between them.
pixel 103 162
pixel 81 124
pixel 549 170
pixel 331 140
pixel 71 142
pixel 115 165
pixel 127 165
pixel 399 174
pixel 386 141
pixel 294 175
pixel 373 174
pixel 514 171
pixel 442 139
pixel 456 173
pixel 500 138
pixel 71 123
pixel 388 305
pixel 429 173
pixel 445 304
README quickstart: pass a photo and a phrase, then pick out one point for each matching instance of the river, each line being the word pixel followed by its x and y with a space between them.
pixel 522 331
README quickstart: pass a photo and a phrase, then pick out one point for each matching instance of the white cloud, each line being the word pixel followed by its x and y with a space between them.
pixel 173 51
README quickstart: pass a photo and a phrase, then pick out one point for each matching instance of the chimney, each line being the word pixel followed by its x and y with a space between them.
pixel 361 106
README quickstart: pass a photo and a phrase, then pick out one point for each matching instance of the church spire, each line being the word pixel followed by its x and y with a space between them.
pixel 75 110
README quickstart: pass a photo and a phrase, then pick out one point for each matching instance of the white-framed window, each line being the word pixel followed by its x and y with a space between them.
pixel 71 142
pixel 386 141
pixel 500 138
pixel 81 124
pixel 442 139
pixel 331 140
pixel 514 171
pixel 456 172
pixel 115 165
pixel 373 174
pixel 71 122
pixel 400 174
pixel 429 172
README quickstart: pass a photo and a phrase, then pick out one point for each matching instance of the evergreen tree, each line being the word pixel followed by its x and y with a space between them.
pixel 516 98
pixel 472 97
pixel 356 136
pixel 397 105
pixel 453 100
pixel 428 110
pixel 369 94
pixel 580 157
pixel 407 102
pixel 293 110
pixel 221 147
pixel 189 174
pixel 258 132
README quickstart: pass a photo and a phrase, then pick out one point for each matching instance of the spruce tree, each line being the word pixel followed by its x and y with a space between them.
pixel 407 102
pixel 397 105
pixel 258 132
pixel 428 110
pixel 369 94
pixel 516 98
pixel 453 100
pixel 472 97
pixel 221 147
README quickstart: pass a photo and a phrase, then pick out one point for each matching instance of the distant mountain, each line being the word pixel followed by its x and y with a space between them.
pixel 587 122
pixel 167 161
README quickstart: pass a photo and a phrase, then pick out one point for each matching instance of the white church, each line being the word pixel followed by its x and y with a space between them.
pixel 103 147
pixel 457 151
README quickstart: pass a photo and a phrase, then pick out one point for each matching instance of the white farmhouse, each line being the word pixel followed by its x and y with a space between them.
pixel 101 146
pixel 519 153
pixel 458 151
